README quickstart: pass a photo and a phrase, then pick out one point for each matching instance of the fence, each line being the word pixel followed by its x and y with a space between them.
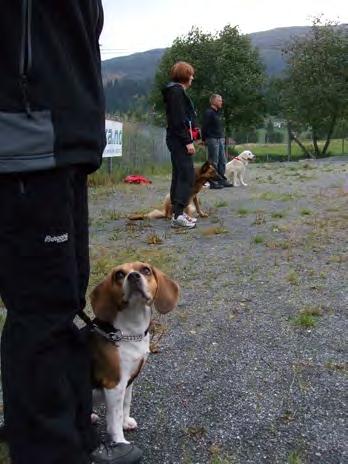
pixel 143 146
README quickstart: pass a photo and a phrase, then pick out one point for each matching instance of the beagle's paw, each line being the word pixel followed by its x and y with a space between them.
pixel 130 424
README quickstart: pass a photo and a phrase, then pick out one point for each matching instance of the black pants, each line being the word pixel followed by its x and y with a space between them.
pixel 183 175
pixel 44 270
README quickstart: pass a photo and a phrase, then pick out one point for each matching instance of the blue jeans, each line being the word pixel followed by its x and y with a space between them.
pixel 216 153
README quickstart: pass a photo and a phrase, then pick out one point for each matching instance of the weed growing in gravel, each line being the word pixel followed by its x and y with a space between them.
pixel 280 244
pixel 113 215
pixel 305 212
pixel 196 432
pixel 258 239
pixel 293 278
pixel 243 211
pixel 154 239
pixel 221 204
pixel 259 218
pixel 335 366
pixel 307 317
pixel 295 458
pixel 278 214
pixel 274 196
pixel 218 456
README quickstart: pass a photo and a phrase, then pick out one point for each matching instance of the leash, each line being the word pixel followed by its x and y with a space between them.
pixel 108 331
pixel 102 328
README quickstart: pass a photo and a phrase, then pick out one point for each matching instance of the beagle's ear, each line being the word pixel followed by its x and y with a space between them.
pixel 167 294
pixel 103 301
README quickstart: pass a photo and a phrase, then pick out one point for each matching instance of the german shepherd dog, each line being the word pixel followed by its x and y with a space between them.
pixel 203 174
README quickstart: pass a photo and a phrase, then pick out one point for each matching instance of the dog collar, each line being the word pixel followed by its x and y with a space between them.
pixel 237 158
pixel 134 338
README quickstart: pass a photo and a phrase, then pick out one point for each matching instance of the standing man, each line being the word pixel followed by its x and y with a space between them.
pixel 214 137
pixel 51 136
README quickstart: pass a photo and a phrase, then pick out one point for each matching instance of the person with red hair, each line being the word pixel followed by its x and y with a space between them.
pixel 181 132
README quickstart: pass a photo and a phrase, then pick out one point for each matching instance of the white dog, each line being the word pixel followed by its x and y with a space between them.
pixel 235 169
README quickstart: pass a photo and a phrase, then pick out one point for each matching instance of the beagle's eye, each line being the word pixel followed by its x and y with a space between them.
pixel 145 271
pixel 119 275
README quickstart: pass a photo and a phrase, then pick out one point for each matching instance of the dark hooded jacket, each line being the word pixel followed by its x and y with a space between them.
pixel 51 93
pixel 180 112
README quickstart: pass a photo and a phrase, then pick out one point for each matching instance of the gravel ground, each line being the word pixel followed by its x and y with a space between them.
pixel 252 367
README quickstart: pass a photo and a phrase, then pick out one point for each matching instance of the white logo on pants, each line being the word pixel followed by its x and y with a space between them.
pixel 56 238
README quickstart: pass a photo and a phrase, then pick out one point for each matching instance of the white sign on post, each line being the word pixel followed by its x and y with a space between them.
pixel 113 132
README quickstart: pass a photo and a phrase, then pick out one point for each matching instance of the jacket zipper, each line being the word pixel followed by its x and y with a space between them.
pixel 25 59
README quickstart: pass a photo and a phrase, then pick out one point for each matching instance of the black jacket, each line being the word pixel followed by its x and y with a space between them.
pixel 51 93
pixel 212 124
pixel 180 112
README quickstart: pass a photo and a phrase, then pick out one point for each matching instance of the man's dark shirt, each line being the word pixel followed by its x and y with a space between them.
pixel 212 124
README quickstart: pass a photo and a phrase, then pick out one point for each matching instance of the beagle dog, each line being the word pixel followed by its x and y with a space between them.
pixel 125 299
pixel 237 167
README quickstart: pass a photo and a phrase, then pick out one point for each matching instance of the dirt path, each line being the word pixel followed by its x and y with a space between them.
pixel 252 368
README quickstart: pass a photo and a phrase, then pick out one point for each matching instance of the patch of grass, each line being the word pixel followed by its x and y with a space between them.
pixel 214 230
pixel 218 456
pixel 278 215
pixel 259 218
pixel 335 366
pixel 307 317
pixel 295 458
pixel 258 239
pixel 280 244
pixel 243 211
pixel 305 212
pixel 312 311
pixel 114 215
pixel 154 239
pixel 274 196
pixel 293 278
pixel 196 432
pixel 221 204
pixel 287 416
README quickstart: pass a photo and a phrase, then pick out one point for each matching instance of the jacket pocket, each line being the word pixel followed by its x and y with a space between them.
pixel 26 142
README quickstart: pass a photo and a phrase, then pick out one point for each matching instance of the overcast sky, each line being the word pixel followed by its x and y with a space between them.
pixel 137 25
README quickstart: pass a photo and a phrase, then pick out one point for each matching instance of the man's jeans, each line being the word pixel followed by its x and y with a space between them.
pixel 216 153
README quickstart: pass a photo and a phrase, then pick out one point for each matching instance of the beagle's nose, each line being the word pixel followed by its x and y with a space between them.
pixel 134 276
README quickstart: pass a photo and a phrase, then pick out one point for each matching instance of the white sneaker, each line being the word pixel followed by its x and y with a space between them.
pixel 182 221
pixel 190 218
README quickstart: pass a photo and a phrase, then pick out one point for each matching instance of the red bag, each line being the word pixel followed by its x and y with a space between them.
pixel 135 179
pixel 196 133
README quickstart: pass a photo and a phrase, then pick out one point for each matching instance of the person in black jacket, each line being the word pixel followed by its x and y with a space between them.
pixel 214 137
pixel 181 127
pixel 52 135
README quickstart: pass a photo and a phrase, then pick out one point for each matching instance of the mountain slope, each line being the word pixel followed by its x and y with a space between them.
pixel 142 66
